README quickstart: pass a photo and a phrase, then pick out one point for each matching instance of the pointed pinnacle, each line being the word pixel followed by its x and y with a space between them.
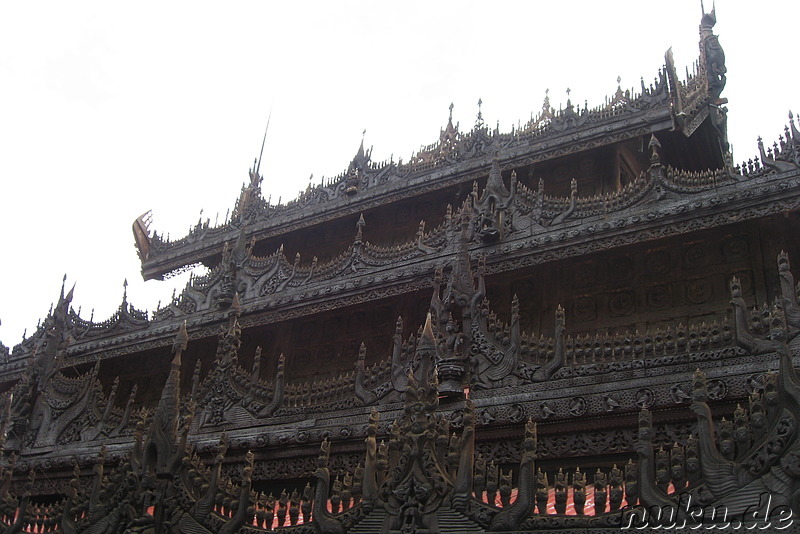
pixel 181 339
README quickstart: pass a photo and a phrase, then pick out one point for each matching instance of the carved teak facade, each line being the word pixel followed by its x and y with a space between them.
pixel 555 328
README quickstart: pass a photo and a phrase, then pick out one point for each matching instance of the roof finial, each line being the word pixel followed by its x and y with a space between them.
pixel 360 228
pixel 263 141
pixel 654 145
pixel 708 20
pixel 713 8
pixel 63 283
pixel 479 119
pixel 450 118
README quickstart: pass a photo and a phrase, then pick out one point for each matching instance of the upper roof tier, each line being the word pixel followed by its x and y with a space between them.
pixel 669 103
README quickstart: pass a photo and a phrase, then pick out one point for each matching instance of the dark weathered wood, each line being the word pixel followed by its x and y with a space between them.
pixel 570 314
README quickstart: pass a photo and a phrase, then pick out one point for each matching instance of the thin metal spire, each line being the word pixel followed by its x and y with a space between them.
pixel 258 167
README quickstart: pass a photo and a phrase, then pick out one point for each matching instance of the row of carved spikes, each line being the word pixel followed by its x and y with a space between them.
pixel 614 199
pixel 379 372
pixel 746 426
pixel 528 194
pixel 82 324
pixel 345 491
pixel 594 202
pixel 386 455
pixel 784 149
pixel 39 519
pixel 609 491
pixel 587 205
pixel 202 471
pixel 761 318
pixel 226 501
pixel 294 508
pixel 416 164
pixel 788 137
pixel 333 265
pixel 374 375
pixel 287 510
pixel 611 107
pixel 678 467
pixel 420 237
pixel 559 204
pixel 751 166
pixel 319 391
pixel 539 349
pixel 620 347
pixel 707 178
pixel 535 126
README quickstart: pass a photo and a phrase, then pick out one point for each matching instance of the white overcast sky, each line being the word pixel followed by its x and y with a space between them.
pixel 108 109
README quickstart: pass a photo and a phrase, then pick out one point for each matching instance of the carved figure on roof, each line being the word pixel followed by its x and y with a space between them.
pixel 233 260
pixel 448 140
pixel 455 339
pixel 714 56
pixel 56 340
pixel 166 438
pixel 250 199
pixel 493 216
pixel 459 299
pixel 20 409
pixel 357 170
pixel 418 483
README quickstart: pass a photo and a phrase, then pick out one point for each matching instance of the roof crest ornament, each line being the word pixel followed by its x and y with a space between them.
pixel 263 141
pixel 708 20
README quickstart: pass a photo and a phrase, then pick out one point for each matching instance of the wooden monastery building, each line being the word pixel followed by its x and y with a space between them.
pixel 565 327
